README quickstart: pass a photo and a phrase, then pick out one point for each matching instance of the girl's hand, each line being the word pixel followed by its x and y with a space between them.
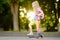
pixel 42 16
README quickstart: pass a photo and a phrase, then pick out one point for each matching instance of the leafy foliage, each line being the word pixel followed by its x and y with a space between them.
pixel 5 15
pixel 48 6
pixel 49 10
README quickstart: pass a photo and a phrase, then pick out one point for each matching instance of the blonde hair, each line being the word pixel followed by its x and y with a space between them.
pixel 35 4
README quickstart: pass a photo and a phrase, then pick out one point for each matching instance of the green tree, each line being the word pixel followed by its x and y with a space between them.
pixel 14 4
pixel 59 9
pixel 5 15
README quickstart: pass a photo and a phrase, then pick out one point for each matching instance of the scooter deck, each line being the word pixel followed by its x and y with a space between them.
pixel 31 36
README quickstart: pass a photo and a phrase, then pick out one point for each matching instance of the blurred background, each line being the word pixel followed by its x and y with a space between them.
pixel 13 15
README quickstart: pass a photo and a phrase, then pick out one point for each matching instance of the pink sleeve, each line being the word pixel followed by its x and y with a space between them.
pixel 39 10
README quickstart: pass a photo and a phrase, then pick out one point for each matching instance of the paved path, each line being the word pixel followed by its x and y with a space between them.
pixel 22 36
pixel 26 38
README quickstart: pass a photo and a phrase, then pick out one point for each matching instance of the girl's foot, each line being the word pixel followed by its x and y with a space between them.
pixel 30 34
pixel 40 35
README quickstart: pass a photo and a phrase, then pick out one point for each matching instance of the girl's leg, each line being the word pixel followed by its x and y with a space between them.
pixel 38 26
pixel 38 29
pixel 30 29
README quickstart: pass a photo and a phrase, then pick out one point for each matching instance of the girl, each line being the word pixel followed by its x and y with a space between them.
pixel 37 18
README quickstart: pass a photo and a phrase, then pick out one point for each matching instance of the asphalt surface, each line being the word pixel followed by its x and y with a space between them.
pixel 26 38
pixel 23 36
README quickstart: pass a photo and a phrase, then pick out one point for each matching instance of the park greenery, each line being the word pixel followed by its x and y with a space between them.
pixel 11 12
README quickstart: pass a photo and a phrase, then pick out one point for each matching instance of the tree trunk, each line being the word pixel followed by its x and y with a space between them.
pixel 14 10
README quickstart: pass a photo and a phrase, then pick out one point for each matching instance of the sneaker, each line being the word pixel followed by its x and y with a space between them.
pixel 40 35
pixel 30 34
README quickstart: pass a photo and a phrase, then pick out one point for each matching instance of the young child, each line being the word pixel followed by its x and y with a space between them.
pixel 37 18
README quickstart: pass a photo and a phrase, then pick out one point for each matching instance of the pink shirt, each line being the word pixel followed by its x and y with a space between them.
pixel 40 14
